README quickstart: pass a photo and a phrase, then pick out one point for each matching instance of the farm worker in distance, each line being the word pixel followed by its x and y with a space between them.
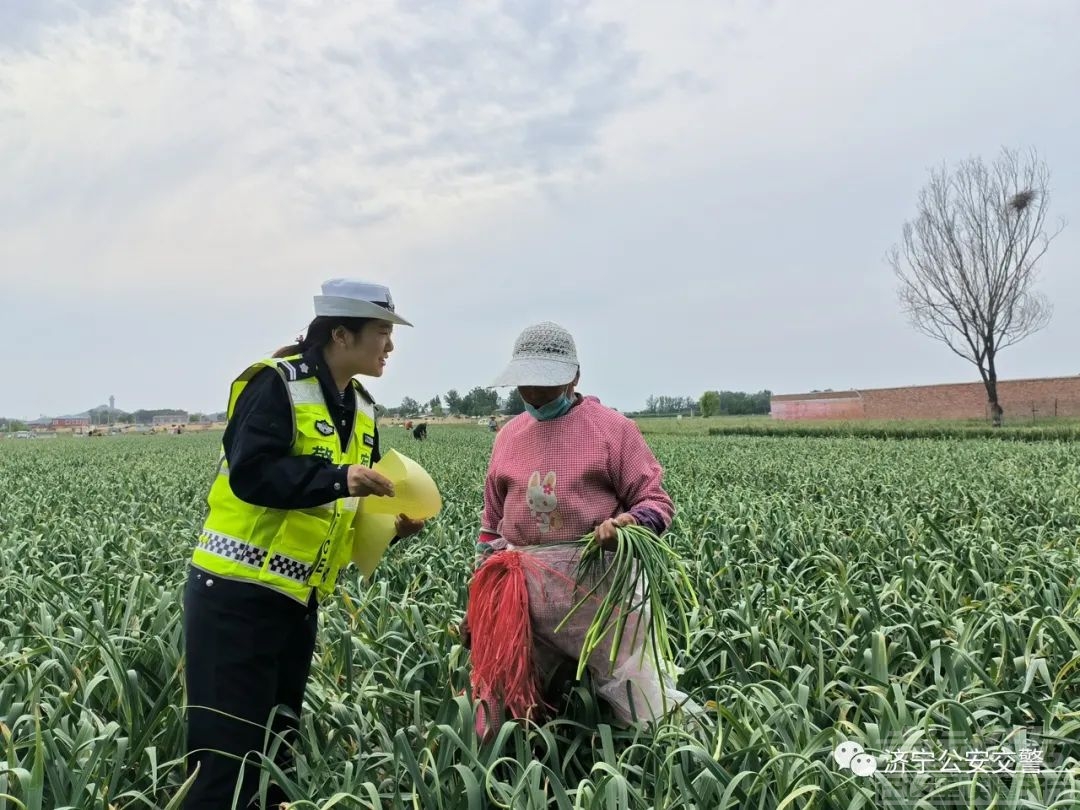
pixel 567 466
pixel 296 456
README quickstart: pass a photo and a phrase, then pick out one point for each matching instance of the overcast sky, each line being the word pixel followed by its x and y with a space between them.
pixel 702 192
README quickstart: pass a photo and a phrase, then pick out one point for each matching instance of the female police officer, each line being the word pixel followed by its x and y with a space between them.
pixel 297 453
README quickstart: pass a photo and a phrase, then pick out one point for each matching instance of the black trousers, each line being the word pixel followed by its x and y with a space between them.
pixel 248 650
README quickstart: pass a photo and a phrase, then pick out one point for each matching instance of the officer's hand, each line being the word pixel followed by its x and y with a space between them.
pixel 407 527
pixel 606 534
pixel 365 481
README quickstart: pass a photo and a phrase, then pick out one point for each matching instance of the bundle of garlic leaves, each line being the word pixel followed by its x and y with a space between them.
pixel 639 558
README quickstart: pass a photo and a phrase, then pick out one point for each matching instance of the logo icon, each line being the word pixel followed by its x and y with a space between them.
pixel 852 755
pixel 324 427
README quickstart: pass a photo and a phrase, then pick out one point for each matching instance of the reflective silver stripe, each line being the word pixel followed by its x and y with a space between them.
pixel 289 568
pixel 309 392
pixel 365 407
pixel 306 392
pixel 232 548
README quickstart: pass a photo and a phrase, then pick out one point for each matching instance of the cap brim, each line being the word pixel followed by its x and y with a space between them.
pixel 536 371
pixel 336 306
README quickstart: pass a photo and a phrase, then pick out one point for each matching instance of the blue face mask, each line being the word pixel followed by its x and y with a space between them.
pixel 553 410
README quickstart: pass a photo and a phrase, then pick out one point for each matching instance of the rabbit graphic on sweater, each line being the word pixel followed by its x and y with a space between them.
pixel 543 503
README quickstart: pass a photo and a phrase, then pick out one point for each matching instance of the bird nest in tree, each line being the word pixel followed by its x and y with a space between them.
pixel 1022 199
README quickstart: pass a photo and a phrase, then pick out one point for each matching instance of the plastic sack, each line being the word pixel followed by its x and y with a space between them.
pixel 371 537
pixel 415 493
pixel 415 496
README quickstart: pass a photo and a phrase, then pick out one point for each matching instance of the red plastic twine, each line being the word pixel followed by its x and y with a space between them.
pixel 502 645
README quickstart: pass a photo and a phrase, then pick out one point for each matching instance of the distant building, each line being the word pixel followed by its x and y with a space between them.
pixel 79 421
pixel 1044 397
pixel 167 419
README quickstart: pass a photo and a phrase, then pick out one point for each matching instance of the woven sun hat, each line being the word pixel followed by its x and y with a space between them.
pixel 352 298
pixel 544 355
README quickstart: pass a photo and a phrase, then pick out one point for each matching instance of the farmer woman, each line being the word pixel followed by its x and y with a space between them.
pixel 297 453
pixel 567 466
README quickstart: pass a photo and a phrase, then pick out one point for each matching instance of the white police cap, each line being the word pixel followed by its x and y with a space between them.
pixel 352 298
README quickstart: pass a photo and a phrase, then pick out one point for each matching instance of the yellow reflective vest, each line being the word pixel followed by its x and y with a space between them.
pixel 289 550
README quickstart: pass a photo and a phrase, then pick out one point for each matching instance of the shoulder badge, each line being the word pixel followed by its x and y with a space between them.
pixel 296 369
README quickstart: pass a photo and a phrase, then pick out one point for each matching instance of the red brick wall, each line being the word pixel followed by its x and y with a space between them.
pixel 832 408
pixel 954 401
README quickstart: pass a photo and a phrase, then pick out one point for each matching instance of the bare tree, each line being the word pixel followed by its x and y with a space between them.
pixel 967 263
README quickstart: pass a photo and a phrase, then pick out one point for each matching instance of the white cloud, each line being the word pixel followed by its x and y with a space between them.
pixel 196 119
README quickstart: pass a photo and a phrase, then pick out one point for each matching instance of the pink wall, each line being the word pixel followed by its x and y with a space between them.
pixel 832 408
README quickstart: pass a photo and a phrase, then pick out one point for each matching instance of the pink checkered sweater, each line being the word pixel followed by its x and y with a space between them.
pixel 554 481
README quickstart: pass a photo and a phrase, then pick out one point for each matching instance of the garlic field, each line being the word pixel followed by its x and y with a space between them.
pixel 917 599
